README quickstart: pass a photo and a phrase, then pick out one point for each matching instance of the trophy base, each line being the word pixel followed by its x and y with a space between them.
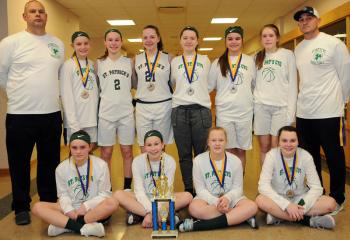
pixel 164 234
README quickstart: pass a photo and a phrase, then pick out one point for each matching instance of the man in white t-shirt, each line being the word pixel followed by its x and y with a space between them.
pixel 323 63
pixel 29 65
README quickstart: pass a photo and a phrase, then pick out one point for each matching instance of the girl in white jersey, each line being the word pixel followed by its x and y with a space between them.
pixel 218 179
pixel 79 90
pixel 289 186
pixel 232 75
pixel 116 112
pixel 146 170
pixel 275 92
pixel 191 115
pixel 83 190
pixel 153 108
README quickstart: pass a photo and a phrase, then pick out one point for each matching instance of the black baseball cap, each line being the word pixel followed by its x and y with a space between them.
pixel 309 10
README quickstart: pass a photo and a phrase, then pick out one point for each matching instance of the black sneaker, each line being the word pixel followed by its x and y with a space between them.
pixel 132 218
pixel 22 218
pixel 253 223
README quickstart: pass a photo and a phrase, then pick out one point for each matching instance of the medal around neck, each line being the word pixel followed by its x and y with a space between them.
pixel 234 89
pixel 190 91
pixel 151 87
pixel 84 94
pixel 162 194
pixel 290 193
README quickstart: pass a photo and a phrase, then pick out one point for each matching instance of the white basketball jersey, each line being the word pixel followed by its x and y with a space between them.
pixel 156 88
pixel 115 83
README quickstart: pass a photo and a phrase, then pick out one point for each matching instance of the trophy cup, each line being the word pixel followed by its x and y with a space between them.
pixel 163 194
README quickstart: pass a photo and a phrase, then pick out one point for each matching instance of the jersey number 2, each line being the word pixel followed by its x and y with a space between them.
pixel 116 84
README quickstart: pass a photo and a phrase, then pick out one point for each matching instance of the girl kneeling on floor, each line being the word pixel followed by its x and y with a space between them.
pixel 146 169
pixel 289 186
pixel 218 180
pixel 83 190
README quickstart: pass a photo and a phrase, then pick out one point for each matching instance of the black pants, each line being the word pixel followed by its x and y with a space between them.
pixel 23 131
pixel 316 133
pixel 191 126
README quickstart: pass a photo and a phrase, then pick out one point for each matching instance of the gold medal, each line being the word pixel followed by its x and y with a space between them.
pixel 290 193
pixel 190 91
pixel 84 94
pixel 151 87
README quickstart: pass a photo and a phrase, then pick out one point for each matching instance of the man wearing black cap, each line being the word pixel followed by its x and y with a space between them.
pixel 323 63
pixel 29 64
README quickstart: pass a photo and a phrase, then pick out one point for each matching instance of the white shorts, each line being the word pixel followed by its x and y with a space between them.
pixel 154 117
pixel 239 134
pixel 92 131
pixel 124 127
pixel 269 119
pixel 232 203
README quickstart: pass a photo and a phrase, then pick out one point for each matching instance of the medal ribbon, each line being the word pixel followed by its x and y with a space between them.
pixel 89 172
pixel 290 177
pixel 85 76
pixel 155 62
pixel 159 171
pixel 220 176
pixel 234 70
pixel 190 69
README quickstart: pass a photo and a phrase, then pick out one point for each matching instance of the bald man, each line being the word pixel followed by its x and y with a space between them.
pixel 29 66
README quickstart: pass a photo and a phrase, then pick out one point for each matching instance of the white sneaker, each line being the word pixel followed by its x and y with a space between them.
pixel 53 230
pixel 271 220
pixel 93 229
pixel 325 221
pixel 338 209
pixel 186 225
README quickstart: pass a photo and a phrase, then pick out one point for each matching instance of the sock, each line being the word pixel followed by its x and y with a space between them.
pixel 73 225
pixel 127 183
pixel 81 220
pixel 305 221
pixel 214 223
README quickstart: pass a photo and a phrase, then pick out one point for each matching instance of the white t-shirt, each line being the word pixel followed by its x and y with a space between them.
pixel 115 84
pixel 207 185
pixel 160 81
pixel 324 69
pixel 29 66
pixel 69 190
pixel 143 182
pixel 236 106
pixel 276 82
pixel 199 82
pixel 78 112
pixel 273 182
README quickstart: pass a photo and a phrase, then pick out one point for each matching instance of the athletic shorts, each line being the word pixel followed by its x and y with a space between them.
pixel 155 116
pixel 269 119
pixel 124 128
pixel 232 203
pixel 239 134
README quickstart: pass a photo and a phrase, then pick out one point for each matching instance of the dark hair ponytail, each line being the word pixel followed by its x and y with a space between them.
pixel 223 62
